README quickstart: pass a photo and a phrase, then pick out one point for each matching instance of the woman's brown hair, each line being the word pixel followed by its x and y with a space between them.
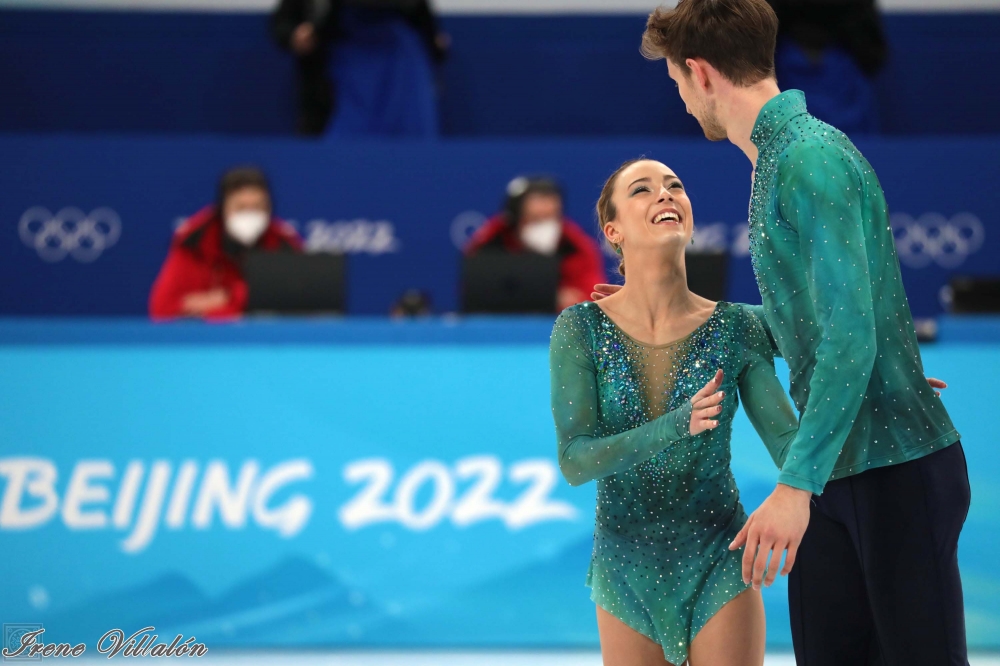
pixel 606 211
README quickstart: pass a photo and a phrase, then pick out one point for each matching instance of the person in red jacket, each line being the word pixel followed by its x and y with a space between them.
pixel 202 276
pixel 533 221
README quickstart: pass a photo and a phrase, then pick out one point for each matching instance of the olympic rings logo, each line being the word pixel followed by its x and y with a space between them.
pixel 464 226
pixel 933 238
pixel 69 233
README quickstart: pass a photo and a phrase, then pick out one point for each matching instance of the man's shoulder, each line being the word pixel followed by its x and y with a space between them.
pixel 803 147
pixel 812 139
pixel 817 153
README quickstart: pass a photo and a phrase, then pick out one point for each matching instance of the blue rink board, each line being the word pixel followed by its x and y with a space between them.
pixel 293 555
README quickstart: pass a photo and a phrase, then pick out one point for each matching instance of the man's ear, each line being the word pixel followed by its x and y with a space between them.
pixel 701 73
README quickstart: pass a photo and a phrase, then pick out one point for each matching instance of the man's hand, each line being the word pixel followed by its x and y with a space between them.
pixel 304 39
pixel 604 290
pixel 777 525
pixel 201 303
pixel 936 384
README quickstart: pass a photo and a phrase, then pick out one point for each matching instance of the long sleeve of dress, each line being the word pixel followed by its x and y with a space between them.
pixel 759 311
pixel 820 198
pixel 764 399
pixel 584 454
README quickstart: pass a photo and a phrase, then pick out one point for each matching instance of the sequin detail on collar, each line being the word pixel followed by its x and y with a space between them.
pixel 773 116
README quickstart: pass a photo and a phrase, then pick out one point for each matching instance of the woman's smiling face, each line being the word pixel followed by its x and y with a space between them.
pixel 653 209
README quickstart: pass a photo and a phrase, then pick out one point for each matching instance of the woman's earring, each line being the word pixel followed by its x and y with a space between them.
pixel 692 240
pixel 618 250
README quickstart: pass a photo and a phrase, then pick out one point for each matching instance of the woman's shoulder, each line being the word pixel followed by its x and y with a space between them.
pixel 723 312
pixel 752 330
pixel 742 311
pixel 752 316
pixel 586 312
pixel 578 319
pixel 740 318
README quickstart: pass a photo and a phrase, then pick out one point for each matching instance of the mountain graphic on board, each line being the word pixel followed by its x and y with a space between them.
pixel 292 602
pixel 154 603
pixel 527 606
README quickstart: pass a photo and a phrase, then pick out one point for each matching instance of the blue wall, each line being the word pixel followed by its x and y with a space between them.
pixel 308 415
pixel 402 210
pixel 566 75
pixel 303 417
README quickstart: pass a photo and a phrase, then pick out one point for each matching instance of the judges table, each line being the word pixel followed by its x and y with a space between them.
pixel 355 482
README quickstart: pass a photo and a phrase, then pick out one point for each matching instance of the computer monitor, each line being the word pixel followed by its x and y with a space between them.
pixel 498 282
pixel 975 294
pixel 294 283
pixel 707 274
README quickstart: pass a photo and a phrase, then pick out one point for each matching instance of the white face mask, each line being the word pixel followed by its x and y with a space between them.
pixel 542 237
pixel 247 226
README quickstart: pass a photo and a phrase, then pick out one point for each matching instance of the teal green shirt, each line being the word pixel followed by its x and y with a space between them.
pixel 825 261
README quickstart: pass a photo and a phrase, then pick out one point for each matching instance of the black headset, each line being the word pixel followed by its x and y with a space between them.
pixel 520 188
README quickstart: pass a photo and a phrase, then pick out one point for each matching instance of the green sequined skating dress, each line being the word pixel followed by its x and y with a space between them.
pixel 667 503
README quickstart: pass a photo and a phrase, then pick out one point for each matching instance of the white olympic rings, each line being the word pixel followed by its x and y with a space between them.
pixel 933 238
pixel 69 232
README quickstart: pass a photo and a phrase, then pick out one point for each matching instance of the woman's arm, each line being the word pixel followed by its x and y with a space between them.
pixel 764 399
pixel 583 455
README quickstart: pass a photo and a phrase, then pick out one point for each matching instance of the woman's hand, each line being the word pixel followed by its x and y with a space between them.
pixel 706 404
pixel 936 384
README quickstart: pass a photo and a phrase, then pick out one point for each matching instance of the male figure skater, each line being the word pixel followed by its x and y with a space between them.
pixel 876 472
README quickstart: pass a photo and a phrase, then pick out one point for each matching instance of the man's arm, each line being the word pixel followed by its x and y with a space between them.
pixel 821 200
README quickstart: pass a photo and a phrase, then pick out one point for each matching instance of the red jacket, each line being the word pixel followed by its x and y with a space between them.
pixel 198 261
pixel 582 264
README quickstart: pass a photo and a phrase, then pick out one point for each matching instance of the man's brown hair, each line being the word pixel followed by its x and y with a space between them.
pixel 736 37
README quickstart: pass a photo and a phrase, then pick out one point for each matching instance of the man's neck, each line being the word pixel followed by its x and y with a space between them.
pixel 742 111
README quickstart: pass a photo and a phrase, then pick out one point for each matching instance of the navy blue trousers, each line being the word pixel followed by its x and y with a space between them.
pixel 876 578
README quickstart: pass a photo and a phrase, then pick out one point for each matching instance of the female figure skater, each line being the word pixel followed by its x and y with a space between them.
pixel 644 389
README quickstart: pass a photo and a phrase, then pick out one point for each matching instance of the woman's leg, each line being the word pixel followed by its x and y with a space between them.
pixel 621 645
pixel 734 636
